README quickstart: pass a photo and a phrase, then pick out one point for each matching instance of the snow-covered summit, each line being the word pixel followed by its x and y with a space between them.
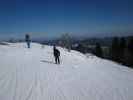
pixel 30 74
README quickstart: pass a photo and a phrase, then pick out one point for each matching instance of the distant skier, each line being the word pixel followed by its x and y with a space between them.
pixel 27 39
pixel 56 55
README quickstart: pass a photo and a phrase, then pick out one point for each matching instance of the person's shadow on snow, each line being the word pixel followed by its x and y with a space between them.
pixel 45 61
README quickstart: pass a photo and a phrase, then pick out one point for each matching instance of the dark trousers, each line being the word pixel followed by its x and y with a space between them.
pixel 57 60
pixel 28 44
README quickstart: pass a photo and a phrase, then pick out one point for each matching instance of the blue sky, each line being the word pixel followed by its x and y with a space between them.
pixel 51 18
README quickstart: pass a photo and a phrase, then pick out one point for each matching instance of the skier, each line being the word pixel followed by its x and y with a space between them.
pixel 27 39
pixel 56 55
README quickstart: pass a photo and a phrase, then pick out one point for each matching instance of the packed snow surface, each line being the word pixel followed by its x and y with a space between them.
pixel 30 74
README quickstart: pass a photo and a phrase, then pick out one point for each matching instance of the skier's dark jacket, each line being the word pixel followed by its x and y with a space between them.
pixel 27 38
pixel 56 52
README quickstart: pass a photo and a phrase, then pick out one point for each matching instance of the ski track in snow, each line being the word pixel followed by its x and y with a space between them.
pixel 30 74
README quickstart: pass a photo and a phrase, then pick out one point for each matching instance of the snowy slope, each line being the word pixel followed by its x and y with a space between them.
pixel 30 74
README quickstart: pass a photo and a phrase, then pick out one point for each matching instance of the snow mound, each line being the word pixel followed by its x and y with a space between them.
pixel 31 74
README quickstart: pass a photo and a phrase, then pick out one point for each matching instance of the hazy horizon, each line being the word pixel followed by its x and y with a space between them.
pixel 52 18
